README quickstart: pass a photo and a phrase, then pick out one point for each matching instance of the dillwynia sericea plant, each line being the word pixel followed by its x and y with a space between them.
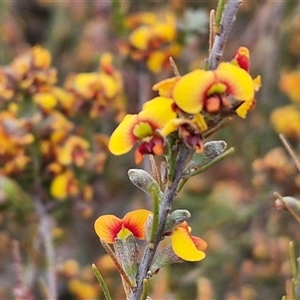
pixel 175 125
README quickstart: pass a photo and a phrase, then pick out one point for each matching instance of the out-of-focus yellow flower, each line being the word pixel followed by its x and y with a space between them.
pixel 142 18
pixel 14 138
pixel 41 57
pixel 286 120
pixel 70 268
pixel 57 126
pixel 31 71
pixel 144 128
pixel 153 41
pixel 110 227
pixel 83 290
pixel 64 185
pixel 159 59
pixel 7 90
pixel 289 83
pixel 73 151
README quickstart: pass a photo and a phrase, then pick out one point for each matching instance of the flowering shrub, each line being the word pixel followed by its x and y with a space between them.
pixel 189 108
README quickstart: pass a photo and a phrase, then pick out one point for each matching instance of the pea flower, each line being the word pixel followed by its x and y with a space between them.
pixel 110 227
pixel 152 39
pixel 209 90
pixel 183 247
pixel 286 120
pixel 186 246
pixel 144 128
pixel 229 88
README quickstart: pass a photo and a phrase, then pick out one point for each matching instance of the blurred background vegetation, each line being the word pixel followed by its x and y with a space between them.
pixel 232 204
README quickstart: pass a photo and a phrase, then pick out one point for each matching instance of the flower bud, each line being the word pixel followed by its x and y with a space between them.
pixel 291 201
pixel 211 150
pixel 144 181
pixel 214 148
pixel 175 218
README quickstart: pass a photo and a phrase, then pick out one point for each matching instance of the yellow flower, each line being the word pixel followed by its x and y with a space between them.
pixel 208 90
pixel 286 120
pixel 143 128
pixel 153 41
pixel 159 59
pixel 74 150
pixel 186 246
pixel 64 185
pixel 289 83
pixel 83 290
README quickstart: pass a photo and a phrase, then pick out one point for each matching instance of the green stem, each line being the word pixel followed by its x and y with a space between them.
pixel 293 259
pixel 171 159
pixel 145 290
pixel 117 16
pixel 219 13
pixel 101 282
pixel 156 200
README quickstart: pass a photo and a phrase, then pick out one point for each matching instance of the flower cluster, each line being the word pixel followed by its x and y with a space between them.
pixel 286 119
pixel 190 105
pixel 153 39
pixel 43 126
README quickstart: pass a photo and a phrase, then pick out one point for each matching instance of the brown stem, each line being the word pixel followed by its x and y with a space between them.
pixel 220 40
pixel 290 151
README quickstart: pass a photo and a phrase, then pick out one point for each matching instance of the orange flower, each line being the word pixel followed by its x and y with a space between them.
pixel 110 227
pixel 144 128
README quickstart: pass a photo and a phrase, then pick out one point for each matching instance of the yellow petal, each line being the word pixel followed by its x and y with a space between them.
pixel 109 84
pixel 166 86
pixel 107 227
pixel 190 91
pixel 135 221
pixel 243 110
pixel 41 57
pixel 139 38
pixel 158 111
pixel 156 61
pixel 45 100
pixel 184 246
pixel 238 82
pixel 58 188
pixel 122 139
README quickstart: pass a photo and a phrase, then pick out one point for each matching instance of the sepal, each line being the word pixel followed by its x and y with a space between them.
pixel 211 150
pixel 127 252
pixel 144 181
pixel 164 258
